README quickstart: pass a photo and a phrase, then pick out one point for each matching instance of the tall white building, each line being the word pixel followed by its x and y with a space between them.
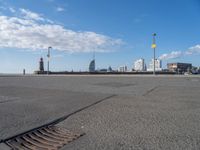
pixel 122 69
pixel 158 65
pixel 92 66
pixel 139 65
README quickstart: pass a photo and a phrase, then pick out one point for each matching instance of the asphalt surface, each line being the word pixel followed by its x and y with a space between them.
pixel 126 112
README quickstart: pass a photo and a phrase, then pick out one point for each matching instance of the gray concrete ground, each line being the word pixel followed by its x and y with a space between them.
pixel 145 112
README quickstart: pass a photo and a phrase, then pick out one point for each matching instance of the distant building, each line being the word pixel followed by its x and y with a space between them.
pixel 145 67
pixel 109 69
pixel 24 72
pixel 102 70
pixel 41 64
pixel 122 69
pixel 179 68
pixel 92 66
pixel 158 65
pixel 139 65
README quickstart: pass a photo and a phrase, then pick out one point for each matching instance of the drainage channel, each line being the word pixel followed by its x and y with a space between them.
pixel 48 136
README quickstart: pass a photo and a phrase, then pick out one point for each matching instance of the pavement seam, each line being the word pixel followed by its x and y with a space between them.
pixel 7 101
pixel 56 121
pixel 149 91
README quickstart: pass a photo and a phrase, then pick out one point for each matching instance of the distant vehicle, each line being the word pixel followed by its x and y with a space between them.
pixel 187 73
pixel 195 72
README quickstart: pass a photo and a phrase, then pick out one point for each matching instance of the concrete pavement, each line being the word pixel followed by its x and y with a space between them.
pixel 147 112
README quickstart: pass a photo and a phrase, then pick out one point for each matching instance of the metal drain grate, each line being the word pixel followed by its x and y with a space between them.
pixel 47 138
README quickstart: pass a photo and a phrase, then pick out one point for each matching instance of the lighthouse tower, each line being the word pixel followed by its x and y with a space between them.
pixel 41 65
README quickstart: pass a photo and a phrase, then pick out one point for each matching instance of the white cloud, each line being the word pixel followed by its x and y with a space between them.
pixel 193 50
pixel 31 15
pixel 33 32
pixel 12 9
pixel 176 54
pixel 172 55
pixel 59 9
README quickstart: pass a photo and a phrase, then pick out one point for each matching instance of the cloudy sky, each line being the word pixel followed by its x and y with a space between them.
pixel 119 32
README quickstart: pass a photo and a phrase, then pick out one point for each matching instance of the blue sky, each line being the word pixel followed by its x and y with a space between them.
pixel 119 31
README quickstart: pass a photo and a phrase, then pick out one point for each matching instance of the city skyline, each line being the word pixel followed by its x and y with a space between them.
pixel 119 32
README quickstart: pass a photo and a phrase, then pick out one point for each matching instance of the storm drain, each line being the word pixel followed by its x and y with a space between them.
pixel 46 138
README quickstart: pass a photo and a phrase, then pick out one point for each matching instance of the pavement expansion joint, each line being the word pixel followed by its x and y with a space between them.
pixel 45 138
pixel 150 91
pixel 6 99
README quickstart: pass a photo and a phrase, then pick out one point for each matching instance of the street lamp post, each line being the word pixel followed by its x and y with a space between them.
pixel 154 53
pixel 48 56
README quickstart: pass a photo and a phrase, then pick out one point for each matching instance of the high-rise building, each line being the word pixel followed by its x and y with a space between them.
pixel 92 66
pixel 139 65
pixel 41 64
pixel 158 65
pixel 109 69
pixel 122 69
